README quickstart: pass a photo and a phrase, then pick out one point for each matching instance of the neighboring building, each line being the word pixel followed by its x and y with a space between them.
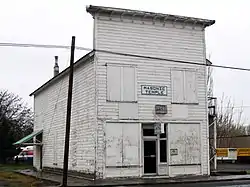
pixel 122 102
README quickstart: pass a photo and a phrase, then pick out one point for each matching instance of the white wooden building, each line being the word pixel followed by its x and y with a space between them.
pixel 139 99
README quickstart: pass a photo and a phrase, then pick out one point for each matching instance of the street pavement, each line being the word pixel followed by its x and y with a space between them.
pixel 233 167
pixel 220 181
pixel 237 183
pixel 243 183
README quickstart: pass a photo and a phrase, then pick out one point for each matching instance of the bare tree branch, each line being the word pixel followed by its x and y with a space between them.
pixel 16 121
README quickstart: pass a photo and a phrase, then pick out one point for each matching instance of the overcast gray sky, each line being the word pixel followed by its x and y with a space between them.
pixel 55 21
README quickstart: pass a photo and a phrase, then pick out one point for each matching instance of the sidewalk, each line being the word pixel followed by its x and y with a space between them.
pixel 75 182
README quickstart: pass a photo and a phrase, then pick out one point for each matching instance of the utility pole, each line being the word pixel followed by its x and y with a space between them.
pixel 213 129
pixel 215 134
pixel 67 131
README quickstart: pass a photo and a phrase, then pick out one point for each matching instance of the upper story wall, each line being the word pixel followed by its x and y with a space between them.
pixel 176 42
pixel 134 35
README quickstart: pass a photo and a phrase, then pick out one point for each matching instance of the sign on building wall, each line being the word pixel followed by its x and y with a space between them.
pixel 161 109
pixel 159 128
pixel 154 90
pixel 173 152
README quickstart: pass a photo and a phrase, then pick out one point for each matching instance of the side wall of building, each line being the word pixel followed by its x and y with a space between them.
pixel 50 115
pixel 171 41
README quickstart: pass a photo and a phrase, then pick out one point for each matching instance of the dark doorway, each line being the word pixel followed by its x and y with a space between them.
pixel 149 156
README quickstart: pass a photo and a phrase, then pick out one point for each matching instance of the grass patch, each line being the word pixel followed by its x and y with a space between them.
pixel 12 179
pixel 13 167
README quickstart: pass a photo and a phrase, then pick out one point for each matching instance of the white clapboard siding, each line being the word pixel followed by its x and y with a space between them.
pixel 50 115
pixel 154 40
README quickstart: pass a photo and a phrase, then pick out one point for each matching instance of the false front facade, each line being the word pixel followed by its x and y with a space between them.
pixel 139 99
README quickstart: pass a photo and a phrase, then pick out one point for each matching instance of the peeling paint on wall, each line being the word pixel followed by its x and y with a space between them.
pixel 74 149
pixel 186 139
pixel 122 144
pixel 55 149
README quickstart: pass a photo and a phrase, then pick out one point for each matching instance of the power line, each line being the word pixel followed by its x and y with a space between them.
pixel 117 53
pixel 41 46
pixel 171 60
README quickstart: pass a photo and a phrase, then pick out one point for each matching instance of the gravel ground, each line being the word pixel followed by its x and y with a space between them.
pixel 236 167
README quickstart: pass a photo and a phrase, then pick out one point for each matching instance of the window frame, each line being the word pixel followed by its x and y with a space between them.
pixel 163 139
pixel 184 100
pixel 135 100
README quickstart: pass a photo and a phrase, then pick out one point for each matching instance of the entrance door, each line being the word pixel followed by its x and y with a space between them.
pixel 149 157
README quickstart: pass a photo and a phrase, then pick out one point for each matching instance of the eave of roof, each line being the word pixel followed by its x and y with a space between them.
pixel 97 9
pixel 49 82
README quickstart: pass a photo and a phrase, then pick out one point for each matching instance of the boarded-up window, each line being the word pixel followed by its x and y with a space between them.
pixel 190 87
pixel 131 134
pixel 122 144
pixel 129 83
pixel 121 83
pixel 177 86
pixel 185 139
pixel 114 83
pixel 184 86
pixel 113 144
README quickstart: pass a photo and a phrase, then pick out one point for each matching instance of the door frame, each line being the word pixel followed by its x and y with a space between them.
pixel 150 125
pixel 150 138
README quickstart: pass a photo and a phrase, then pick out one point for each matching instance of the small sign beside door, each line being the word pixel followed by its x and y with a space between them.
pixel 173 152
pixel 157 128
